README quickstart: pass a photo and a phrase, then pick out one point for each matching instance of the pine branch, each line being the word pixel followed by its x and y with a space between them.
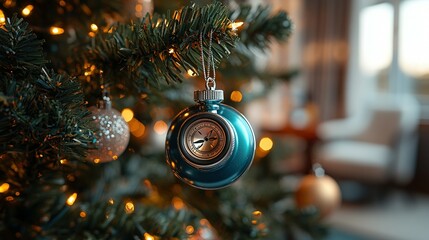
pixel 259 29
pixel 65 14
pixel 260 26
pixel 143 55
pixel 114 219
pixel 43 119
pixel 158 48
pixel 20 50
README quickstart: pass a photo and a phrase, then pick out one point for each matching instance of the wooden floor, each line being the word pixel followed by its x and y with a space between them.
pixel 398 216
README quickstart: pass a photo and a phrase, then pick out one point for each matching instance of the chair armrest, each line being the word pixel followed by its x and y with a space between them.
pixel 348 128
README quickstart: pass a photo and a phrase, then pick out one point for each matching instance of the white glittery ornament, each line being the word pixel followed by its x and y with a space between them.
pixel 112 133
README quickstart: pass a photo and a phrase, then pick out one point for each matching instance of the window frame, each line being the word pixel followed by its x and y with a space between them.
pixel 360 84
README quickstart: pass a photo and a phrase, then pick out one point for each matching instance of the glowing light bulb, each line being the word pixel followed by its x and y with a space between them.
pixel 27 10
pixel 236 96
pixel 136 127
pixel 2 18
pixel 266 144
pixel 189 229
pixel 235 25
pixel 8 3
pixel 160 127
pixel 178 203
pixel 91 34
pixel 94 27
pixel 127 114
pixel 129 207
pixel 82 214
pixel 191 73
pixel 56 30
pixel 70 201
pixel 4 187
pixel 257 213
pixel 147 236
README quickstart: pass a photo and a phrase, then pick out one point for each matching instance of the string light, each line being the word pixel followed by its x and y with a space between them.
pixel 147 236
pixel 127 114
pixel 94 27
pixel 129 207
pixel 142 7
pixel 89 69
pixel 70 201
pixel 160 127
pixel 235 25
pixel 8 3
pixel 91 34
pixel 266 144
pixel 97 160
pixel 27 10
pixel 136 127
pixel 4 187
pixel 204 222
pixel 56 30
pixel 138 8
pixel 63 161
pixel 257 213
pixel 236 96
pixel 189 229
pixel 82 214
pixel 111 201
pixel 171 50
pixel 2 18
pixel 177 203
pixel 191 73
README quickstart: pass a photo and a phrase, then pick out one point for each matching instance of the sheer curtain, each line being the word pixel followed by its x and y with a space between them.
pixel 325 36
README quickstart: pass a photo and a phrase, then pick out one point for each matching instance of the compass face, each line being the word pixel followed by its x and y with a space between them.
pixel 206 140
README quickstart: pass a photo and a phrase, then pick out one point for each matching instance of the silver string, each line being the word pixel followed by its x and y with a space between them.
pixel 210 63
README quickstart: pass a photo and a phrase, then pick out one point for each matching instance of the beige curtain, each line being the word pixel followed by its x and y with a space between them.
pixel 325 30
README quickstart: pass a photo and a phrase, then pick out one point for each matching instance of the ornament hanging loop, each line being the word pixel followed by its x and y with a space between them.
pixel 104 102
pixel 210 80
pixel 210 84
pixel 210 93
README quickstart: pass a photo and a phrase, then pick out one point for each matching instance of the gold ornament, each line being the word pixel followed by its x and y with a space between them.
pixel 112 133
pixel 320 191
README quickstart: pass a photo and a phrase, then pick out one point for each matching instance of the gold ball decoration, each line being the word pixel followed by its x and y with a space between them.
pixel 320 191
pixel 112 134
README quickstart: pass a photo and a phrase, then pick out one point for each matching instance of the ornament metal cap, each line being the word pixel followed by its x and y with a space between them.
pixel 208 95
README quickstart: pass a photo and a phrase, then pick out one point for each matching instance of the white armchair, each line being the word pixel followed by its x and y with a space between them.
pixel 376 146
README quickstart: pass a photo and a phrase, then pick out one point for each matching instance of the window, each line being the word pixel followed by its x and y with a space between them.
pixel 389 50
pixel 413 51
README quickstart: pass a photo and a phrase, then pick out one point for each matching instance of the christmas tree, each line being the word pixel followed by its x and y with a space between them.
pixel 55 184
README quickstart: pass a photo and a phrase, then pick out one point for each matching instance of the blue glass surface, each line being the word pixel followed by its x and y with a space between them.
pixel 231 168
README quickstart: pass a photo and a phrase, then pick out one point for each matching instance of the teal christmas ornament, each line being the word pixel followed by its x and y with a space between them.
pixel 209 145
